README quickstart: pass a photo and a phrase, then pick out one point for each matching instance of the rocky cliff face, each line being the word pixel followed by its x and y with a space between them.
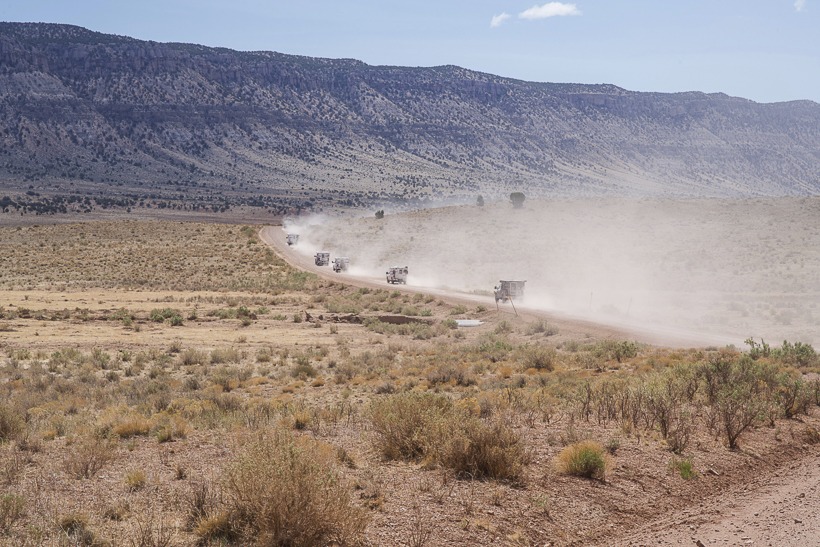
pixel 87 112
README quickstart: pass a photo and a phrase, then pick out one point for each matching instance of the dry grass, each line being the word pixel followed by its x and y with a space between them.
pixel 143 255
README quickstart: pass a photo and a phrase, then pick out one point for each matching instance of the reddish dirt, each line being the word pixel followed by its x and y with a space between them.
pixel 774 509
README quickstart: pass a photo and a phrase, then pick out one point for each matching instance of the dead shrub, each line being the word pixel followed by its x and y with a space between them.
pixel 481 450
pixel 538 357
pixel 217 527
pixel 201 502
pixel 75 526
pixel 11 423
pixel 457 374
pixel 411 426
pixel 84 458
pixel 811 435
pixel 192 356
pixel 167 428
pixel 12 508
pixel 221 356
pixel 285 490
pixel 134 480
pixel 401 421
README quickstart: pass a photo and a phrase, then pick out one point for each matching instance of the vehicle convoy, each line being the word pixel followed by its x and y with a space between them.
pixel 322 258
pixel 340 264
pixel 509 290
pixel 397 274
pixel 292 239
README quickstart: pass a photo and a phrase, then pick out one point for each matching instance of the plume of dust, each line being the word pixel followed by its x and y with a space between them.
pixel 687 265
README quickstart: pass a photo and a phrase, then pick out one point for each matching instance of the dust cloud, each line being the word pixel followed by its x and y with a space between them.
pixel 730 268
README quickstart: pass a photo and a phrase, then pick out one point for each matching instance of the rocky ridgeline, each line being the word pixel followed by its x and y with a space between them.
pixel 84 111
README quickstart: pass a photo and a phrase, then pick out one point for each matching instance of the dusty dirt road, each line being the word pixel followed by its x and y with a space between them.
pixel 776 509
pixel 642 332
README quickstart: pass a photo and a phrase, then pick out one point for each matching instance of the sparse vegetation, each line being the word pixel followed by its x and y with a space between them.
pixel 684 468
pixel 458 416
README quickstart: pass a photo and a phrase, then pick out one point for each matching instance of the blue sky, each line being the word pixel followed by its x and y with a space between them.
pixel 764 50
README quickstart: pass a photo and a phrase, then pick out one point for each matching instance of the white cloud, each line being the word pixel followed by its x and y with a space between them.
pixel 799 5
pixel 553 9
pixel 497 20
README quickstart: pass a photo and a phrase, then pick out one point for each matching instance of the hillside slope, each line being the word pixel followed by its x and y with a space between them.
pixel 84 113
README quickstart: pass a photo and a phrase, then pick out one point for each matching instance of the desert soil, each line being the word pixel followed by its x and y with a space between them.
pixel 64 286
pixel 779 508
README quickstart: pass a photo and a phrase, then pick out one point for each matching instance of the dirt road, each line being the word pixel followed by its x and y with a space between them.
pixel 659 335
pixel 776 509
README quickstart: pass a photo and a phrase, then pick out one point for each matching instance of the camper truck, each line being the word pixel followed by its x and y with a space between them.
pixel 397 274
pixel 322 258
pixel 340 264
pixel 509 290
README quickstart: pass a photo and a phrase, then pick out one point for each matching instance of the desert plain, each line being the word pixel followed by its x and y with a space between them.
pixel 194 383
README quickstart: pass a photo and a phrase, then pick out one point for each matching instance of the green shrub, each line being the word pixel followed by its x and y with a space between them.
pixel 450 324
pixel 458 310
pixel 736 390
pixel 303 370
pixel 797 354
pixel 541 327
pixel 684 467
pixel 158 316
pixel 583 459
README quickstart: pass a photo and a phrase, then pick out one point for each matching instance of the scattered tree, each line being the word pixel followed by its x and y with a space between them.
pixel 479 201
pixel 380 213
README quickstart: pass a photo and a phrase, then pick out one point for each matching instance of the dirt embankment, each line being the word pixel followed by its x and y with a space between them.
pixel 779 508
